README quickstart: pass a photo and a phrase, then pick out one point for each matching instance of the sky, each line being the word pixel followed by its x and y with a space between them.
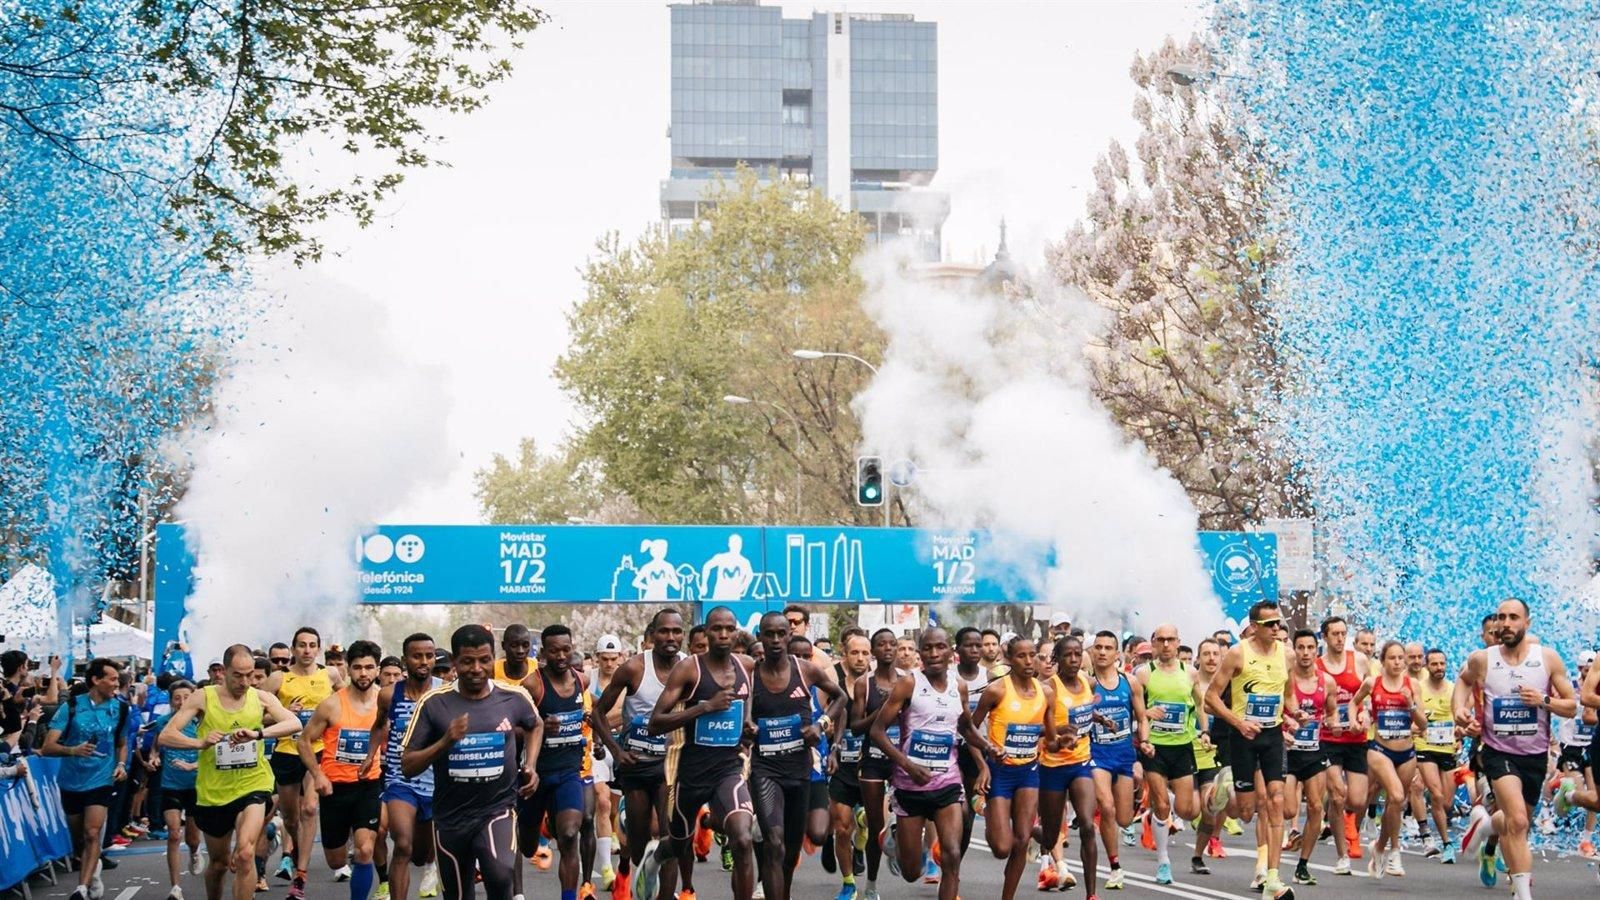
pixel 477 264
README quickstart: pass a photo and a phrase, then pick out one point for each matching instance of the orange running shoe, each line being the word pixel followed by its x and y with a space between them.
pixel 686 894
pixel 1147 835
pixel 1047 877
pixel 622 888
pixel 1586 849
pixel 702 842
pixel 542 858
pixel 937 859
pixel 1215 850
pixel 1352 835
pixel 586 891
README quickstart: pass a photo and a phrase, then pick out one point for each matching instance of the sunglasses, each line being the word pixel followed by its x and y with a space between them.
pixel 1270 623
pixel 279 661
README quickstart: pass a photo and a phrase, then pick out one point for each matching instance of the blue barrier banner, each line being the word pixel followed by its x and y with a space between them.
pixel 33 829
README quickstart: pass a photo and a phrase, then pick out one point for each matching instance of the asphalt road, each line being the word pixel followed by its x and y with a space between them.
pixel 142 876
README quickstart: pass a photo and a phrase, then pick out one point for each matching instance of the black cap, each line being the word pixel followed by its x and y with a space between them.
pixel 442 660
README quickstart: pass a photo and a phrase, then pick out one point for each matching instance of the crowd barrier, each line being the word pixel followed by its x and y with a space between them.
pixel 33 829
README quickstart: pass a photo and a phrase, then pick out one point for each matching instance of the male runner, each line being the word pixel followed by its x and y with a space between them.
pixel 993 655
pixel 1366 642
pixel 468 732
pixel 931 709
pixel 870 692
pixel 94 721
pixel 705 707
pixel 233 783
pixel 1208 761
pixel 407 801
pixel 1521 685
pixel 844 785
pixel 639 755
pixel 608 658
pixel 346 774
pixel 558 693
pixel 1345 742
pixel 1171 696
pixel 1436 750
pixel 517 666
pixel 1119 725
pixel 1257 672
pixel 300 688
pixel 969 668
pixel 1316 696
pixel 780 767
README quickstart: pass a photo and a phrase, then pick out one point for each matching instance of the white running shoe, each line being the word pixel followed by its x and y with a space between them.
pixel 428 886
pixel 176 893
pixel 97 887
pixel 1375 866
pixel 342 873
pixel 1341 866
pixel 1478 827
pixel 197 862
pixel 1394 866
pixel 1113 881
pixel 1068 880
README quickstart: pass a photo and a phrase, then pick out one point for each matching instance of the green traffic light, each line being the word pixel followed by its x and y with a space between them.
pixel 871 493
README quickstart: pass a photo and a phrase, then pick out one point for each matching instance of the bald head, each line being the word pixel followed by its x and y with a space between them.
pixel 1165 642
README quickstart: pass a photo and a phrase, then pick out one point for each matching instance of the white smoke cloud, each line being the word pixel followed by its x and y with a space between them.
pixel 990 397
pixel 321 427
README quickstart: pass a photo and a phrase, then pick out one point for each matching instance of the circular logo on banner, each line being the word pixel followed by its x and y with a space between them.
pixel 378 549
pixel 1238 569
pixel 409 548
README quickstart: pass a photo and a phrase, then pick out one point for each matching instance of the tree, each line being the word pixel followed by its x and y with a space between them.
pixel 1178 252
pixel 672 324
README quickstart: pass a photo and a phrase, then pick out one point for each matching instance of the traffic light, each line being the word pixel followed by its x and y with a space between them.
pixel 869 480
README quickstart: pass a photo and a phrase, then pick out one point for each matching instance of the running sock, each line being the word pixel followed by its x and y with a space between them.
pixel 1115 863
pixel 383 872
pixel 1261 857
pixel 1162 833
pixel 602 851
pixel 1522 886
pixel 569 895
pixel 849 876
pixel 361 876
pixel 1272 877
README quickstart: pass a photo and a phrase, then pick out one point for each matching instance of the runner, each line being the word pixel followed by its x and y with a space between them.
pixel 930 709
pixel 91 720
pixel 608 658
pixel 563 704
pixel 1208 760
pixel 1119 719
pixel 640 756
pixel 300 688
pixel 817 838
pixel 1345 741
pixel 1257 672
pixel 1170 698
pixel 705 707
pixel 969 668
pixel 1392 759
pixel 1016 731
pixel 346 773
pixel 408 802
pixel 870 691
pixel 1066 769
pixel 461 730
pixel 178 803
pixel 780 768
pixel 233 784
pixel 1306 763
pixel 844 783
pixel 1521 684
pixel 1436 751
pixel 993 655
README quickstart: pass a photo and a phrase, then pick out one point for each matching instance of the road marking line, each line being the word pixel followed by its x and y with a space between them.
pixel 128 892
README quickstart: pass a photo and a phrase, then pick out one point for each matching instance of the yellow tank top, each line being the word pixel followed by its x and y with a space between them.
pixel 309 690
pixel 1440 735
pixel 1075 705
pixel 1258 687
pixel 1016 724
pixel 501 676
pixel 229 771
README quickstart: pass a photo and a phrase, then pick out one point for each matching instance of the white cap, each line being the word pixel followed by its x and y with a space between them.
pixel 1586 658
pixel 609 643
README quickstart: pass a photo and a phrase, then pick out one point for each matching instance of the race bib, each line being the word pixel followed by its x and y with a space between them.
pixel 931 750
pixel 720 729
pixel 231 756
pixel 1308 736
pixel 640 741
pixel 1120 728
pixel 1173 718
pixel 1082 718
pixel 1262 708
pixel 1394 724
pixel 352 746
pixel 1583 732
pixel 850 748
pixel 480 756
pixel 1345 722
pixel 893 734
pixel 1510 717
pixel 1440 734
pixel 779 734
pixel 1021 741
pixel 564 729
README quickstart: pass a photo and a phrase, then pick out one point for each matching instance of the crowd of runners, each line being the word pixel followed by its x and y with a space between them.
pixel 712 749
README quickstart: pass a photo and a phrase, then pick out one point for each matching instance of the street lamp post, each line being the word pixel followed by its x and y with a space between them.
pixel 811 355
pixel 737 400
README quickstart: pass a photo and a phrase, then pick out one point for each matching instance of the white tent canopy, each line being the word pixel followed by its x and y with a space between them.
pixel 112 639
pixel 29 621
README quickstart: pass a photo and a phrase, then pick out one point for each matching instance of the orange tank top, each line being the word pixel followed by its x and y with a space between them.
pixel 347 743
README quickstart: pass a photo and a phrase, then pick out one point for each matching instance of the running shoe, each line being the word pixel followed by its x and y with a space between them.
pixel 297 888
pixel 1068 881
pixel 1129 835
pixel 1277 890
pixel 79 893
pixel 685 894
pixel 870 894
pixel 97 886
pixel 1302 873
pixel 176 893
pixel 1375 865
pixel 1394 866
pixel 121 841
pixel 830 863
pixel 1341 866
pixel 858 860
pixel 1430 847
pixel 1586 849
pixel 586 891
pixel 1292 839
pixel 342 873
pixel 846 892
pixel 1164 873
pixel 1259 880
pixel 1197 866
pixel 930 870
pixel 286 869
pixel 542 858
pixel 197 861
pixel 727 859
pixel 1486 872
pixel 1447 856
pixel 383 891
pixel 428 885
pixel 1352 835
pixel 650 871
pixel 1478 826
pixel 1232 827
pixel 261 885
pixel 891 852
pixel 1222 786
pixel 1147 835
pixel 1214 848
pixel 1048 880
pixel 608 877
pixel 157 834
pixel 1499 862
pixel 702 841
pixel 760 893
pixel 1114 880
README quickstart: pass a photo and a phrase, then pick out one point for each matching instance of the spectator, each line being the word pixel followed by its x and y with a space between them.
pixel 91 721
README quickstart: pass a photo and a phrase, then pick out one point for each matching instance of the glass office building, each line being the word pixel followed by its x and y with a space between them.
pixel 847 103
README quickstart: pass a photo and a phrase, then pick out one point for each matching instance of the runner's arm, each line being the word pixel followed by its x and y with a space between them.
pixel 665 719
pixel 830 688
pixel 425 741
pixel 1225 671
pixel 1463 700
pixel 621 680
pixel 172 735
pixel 878 734
pixel 320 717
pixel 1562 703
pixel 284 723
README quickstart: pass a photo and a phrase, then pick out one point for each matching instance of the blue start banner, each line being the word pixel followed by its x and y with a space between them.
pixel 33 829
